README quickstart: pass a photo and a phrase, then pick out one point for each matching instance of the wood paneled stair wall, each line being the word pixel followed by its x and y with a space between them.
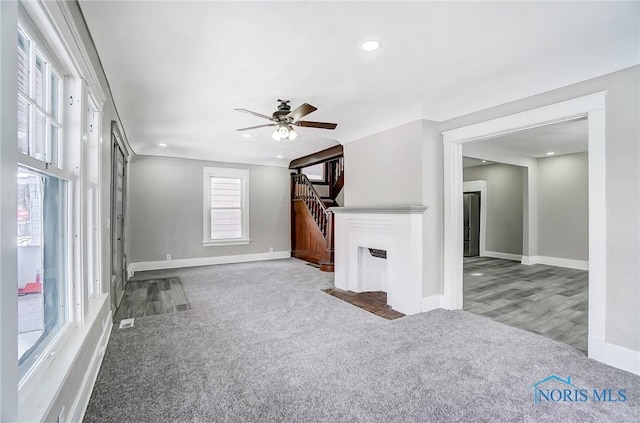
pixel 311 217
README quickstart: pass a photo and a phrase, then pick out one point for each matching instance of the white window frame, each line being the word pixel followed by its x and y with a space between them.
pixel 63 171
pixel 224 172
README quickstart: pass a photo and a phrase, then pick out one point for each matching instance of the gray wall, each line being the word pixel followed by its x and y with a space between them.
pixel 402 166
pixel 622 189
pixel 385 169
pixel 563 206
pixel 165 209
pixel 504 205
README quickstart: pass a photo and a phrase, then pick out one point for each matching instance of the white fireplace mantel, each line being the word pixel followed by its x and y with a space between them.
pixel 398 231
pixel 380 210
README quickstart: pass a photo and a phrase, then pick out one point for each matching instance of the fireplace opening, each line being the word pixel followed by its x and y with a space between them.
pixel 372 264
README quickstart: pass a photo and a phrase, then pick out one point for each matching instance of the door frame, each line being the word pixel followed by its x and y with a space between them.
pixel 593 107
pixel 481 187
pixel 117 142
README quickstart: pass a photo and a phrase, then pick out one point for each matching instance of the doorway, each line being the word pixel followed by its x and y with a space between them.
pixel 593 108
pixel 118 195
pixel 471 223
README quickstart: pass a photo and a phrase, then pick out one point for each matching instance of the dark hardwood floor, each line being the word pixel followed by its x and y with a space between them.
pixel 150 297
pixel 547 300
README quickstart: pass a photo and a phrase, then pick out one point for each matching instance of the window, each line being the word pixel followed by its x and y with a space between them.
pixel 315 173
pixel 226 206
pixel 43 225
pixel 42 256
pixel 39 117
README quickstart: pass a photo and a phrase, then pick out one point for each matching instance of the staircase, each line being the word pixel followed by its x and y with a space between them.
pixel 311 219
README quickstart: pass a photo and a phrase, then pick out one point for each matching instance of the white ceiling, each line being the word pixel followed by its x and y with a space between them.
pixel 471 162
pixel 560 138
pixel 178 69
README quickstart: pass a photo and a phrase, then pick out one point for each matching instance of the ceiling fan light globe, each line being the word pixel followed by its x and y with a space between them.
pixel 292 135
pixel 283 131
pixel 276 135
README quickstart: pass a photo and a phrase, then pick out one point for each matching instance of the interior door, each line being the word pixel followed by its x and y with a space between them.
pixel 117 220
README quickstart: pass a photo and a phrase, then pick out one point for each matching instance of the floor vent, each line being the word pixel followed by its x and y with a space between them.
pixel 127 323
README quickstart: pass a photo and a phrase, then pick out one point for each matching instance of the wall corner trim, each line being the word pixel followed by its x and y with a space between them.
pixel 432 302
pixel 204 261
pixel 614 355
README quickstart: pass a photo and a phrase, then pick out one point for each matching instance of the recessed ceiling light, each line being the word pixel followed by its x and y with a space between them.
pixel 161 144
pixel 246 135
pixel 370 45
pixel 279 156
pixel 550 153
pixel 484 161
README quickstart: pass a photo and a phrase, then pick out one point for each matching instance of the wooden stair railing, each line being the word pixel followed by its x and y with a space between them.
pixel 303 190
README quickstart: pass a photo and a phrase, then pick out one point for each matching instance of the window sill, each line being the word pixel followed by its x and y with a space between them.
pixel 226 242
pixel 43 388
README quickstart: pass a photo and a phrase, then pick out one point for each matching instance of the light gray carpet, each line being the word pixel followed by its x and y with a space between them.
pixel 264 343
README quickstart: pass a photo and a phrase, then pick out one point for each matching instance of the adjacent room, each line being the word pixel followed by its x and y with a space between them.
pixel 527 230
pixel 224 211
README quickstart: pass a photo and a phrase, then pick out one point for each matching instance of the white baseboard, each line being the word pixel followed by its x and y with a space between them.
pixel 506 256
pixel 614 355
pixel 76 413
pixel 556 261
pixel 204 261
pixel 432 302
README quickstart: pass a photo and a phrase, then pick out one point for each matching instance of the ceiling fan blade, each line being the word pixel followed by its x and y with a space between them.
pixel 255 114
pixel 301 111
pixel 259 126
pixel 323 125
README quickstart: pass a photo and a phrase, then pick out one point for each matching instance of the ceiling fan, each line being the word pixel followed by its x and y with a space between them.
pixel 285 118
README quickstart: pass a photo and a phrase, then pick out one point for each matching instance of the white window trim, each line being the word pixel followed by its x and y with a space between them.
pixel 207 174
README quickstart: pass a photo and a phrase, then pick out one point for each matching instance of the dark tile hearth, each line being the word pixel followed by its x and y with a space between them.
pixel 374 302
pixel 151 297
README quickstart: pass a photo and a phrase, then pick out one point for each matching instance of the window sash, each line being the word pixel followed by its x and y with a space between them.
pixel 226 207
pixel 226 219
pixel 39 102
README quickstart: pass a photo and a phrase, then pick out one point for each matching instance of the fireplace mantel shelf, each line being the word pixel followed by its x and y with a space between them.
pixel 380 210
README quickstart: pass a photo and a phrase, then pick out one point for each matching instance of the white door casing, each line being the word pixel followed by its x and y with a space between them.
pixel 591 106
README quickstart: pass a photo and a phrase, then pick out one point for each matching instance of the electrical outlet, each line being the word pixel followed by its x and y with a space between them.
pixel 168 256
pixel 271 249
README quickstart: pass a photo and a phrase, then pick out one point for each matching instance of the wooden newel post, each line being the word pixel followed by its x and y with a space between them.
pixel 327 265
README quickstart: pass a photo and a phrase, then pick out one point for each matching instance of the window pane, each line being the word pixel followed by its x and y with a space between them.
pixel 23 63
pixel 226 192
pixel 23 125
pixel 40 133
pixel 315 172
pixel 226 223
pixel 55 97
pixel 39 89
pixel 53 146
pixel 41 263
